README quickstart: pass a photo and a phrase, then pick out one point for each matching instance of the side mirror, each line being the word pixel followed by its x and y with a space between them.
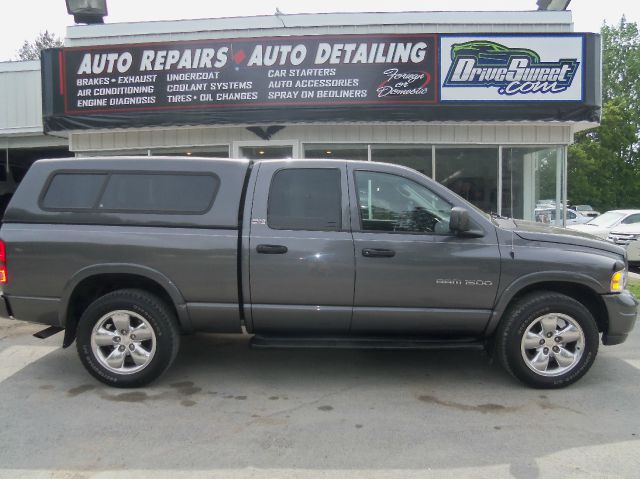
pixel 459 220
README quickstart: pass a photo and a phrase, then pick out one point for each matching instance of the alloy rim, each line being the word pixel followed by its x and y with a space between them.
pixel 123 342
pixel 553 344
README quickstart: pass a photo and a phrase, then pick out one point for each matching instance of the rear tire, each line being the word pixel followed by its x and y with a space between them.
pixel 127 338
pixel 547 340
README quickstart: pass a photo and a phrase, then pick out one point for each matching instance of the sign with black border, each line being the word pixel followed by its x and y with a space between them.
pixel 381 78
pixel 254 72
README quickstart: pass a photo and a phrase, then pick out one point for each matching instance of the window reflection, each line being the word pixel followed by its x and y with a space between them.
pixel 395 204
pixel 416 157
pixel 529 183
pixel 341 151
pixel 470 172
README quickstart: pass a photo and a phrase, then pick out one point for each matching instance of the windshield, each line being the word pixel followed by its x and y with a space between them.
pixel 584 208
pixel 607 219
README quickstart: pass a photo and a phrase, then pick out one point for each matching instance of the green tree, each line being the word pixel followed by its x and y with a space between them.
pixel 602 170
pixel 604 162
pixel 30 50
pixel 621 62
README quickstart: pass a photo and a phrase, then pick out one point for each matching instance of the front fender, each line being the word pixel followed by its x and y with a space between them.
pixel 567 277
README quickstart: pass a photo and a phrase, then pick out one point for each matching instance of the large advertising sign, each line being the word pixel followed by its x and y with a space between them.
pixel 512 68
pixel 255 72
pixel 336 78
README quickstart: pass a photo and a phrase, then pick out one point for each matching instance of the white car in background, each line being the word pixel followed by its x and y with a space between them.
pixel 548 215
pixel 628 236
pixel 606 222
pixel 586 210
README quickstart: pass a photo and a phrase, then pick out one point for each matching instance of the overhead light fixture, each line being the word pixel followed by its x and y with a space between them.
pixel 328 152
pixel 261 152
pixel 87 11
pixel 553 5
pixel 188 153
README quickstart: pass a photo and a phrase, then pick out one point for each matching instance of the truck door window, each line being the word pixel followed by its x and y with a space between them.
pixel 392 203
pixel 305 199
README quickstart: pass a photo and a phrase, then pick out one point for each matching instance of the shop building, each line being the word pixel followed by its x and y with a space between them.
pixel 484 102
pixel 22 140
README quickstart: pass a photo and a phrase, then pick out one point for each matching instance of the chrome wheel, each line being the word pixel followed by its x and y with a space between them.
pixel 123 342
pixel 552 344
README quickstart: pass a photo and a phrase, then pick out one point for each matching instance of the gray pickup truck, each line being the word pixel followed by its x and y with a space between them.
pixel 127 254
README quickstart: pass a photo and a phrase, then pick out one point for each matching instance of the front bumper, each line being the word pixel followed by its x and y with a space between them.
pixel 622 310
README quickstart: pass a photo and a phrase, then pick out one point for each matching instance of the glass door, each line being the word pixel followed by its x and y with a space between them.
pixel 265 152
pixel 268 150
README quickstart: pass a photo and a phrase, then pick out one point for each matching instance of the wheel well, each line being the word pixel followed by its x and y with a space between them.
pixel 583 294
pixel 90 289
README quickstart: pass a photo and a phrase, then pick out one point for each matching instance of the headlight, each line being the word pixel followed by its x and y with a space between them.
pixel 619 281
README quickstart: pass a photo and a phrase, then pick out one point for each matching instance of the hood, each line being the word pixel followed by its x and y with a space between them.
pixel 591 230
pixel 531 231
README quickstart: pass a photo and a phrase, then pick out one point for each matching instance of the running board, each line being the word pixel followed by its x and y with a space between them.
pixel 50 331
pixel 284 342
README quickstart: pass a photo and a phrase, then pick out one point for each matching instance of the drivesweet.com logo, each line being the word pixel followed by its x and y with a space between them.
pixel 483 63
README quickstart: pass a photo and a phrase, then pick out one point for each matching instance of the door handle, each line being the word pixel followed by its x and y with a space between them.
pixel 378 253
pixel 271 249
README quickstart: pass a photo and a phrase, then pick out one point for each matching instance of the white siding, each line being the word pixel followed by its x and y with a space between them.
pixel 20 98
pixel 432 133
pixel 322 24
pixel 21 107
pixel 31 141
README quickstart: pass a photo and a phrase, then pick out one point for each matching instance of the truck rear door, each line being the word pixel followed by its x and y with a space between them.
pixel 301 254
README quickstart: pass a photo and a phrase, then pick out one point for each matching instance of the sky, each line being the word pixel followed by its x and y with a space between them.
pixel 24 19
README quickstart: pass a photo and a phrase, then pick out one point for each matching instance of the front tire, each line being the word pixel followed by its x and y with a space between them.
pixel 547 340
pixel 127 338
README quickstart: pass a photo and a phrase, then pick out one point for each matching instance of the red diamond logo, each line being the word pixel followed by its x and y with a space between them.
pixel 239 56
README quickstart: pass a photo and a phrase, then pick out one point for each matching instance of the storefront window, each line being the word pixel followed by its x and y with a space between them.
pixel 416 157
pixel 529 183
pixel 470 172
pixel 89 154
pixel 207 152
pixel 215 151
pixel 266 152
pixel 342 151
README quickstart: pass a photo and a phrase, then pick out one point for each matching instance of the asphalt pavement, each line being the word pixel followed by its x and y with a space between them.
pixel 224 410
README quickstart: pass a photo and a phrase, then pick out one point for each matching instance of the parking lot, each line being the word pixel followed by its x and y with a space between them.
pixel 224 410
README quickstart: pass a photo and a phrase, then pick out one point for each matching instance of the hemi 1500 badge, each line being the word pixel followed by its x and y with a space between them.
pixel 464 282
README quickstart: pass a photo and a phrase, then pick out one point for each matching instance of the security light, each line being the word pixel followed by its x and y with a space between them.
pixel 553 5
pixel 87 11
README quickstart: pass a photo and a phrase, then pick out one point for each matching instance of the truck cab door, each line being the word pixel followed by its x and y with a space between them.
pixel 413 276
pixel 301 258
